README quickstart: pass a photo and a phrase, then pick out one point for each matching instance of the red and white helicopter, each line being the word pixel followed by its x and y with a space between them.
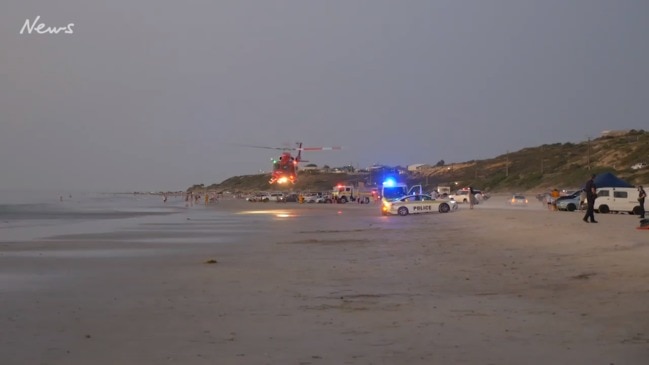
pixel 285 167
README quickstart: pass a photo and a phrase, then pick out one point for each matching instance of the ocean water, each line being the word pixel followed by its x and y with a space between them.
pixel 26 215
pixel 94 217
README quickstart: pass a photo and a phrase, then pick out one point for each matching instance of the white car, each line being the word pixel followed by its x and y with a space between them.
pixel 462 196
pixel 323 199
pixel 258 197
pixel 312 198
pixel 639 165
pixel 417 204
pixel 275 197
pixel 266 197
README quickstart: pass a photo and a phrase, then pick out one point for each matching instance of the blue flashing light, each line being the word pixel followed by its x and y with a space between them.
pixel 389 183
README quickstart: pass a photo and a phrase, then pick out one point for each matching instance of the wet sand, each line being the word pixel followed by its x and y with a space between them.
pixel 333 284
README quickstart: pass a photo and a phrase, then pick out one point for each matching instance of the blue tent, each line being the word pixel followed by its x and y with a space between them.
pixel 608 180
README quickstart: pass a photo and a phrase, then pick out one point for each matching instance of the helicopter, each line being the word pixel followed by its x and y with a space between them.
pixel 285 167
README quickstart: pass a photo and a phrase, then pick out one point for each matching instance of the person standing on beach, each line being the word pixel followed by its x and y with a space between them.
pixel 641 197
pixel 591 195
pixel 582 199
pixel 471 197
pixel 555 195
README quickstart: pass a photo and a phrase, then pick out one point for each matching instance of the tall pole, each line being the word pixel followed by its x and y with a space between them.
pixel 588 154
pixel 542 160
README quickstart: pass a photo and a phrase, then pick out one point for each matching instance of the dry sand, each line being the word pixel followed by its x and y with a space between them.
pixel 330 284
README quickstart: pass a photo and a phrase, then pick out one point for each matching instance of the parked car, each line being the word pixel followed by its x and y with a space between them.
pixel 275 197
pixel 574 195
pixel 258 197
pixel 324 199
pixel 618 200
pixel 569 203
pixel 312 198
pixel 462 196
pixel 290 198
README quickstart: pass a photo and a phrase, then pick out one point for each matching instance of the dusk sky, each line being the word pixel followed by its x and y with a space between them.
pixel 153 95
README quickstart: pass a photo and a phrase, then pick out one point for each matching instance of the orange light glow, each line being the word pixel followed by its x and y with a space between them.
pixel 276 213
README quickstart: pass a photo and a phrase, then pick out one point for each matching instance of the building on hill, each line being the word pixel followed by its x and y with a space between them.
pixel 343 169
pixel 310 167
pixel 419 167
pixel 614 133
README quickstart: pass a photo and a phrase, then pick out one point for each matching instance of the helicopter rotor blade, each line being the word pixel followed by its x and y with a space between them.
pixel 267 147
pixel 319 149
pixel 293 148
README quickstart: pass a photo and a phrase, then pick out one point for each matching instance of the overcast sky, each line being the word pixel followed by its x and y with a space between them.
pixel 157 94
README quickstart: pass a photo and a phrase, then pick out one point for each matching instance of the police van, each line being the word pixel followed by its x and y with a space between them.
pixel 390 190
pixel 619 200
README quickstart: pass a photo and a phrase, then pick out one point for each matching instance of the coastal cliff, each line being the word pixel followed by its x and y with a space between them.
pixel 558 165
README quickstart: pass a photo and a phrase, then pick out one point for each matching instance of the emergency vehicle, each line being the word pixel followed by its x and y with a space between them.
pixel 390 190
pixel 417 204
pixel 444 191
pixel 348 193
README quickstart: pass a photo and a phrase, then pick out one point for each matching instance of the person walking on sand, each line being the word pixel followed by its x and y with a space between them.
pixel 641 197
pixel 591 195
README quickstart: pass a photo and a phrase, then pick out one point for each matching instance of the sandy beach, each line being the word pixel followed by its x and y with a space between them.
pixel 332 284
